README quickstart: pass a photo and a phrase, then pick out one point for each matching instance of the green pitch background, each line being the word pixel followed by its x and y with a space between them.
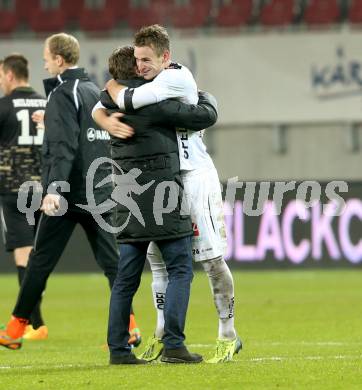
pixel 301 330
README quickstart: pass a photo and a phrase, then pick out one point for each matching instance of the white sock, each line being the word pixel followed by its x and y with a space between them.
pixel 222 287
pixel 159 285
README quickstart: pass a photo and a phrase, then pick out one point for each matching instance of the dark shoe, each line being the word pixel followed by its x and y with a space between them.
pixel 127 359
pixel 180 355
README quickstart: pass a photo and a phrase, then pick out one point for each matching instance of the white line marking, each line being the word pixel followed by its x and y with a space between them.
pixel 307 343
pixel 286 358
pixel 53 366
pixel 201 345
pixel 254 359
pixel 300 343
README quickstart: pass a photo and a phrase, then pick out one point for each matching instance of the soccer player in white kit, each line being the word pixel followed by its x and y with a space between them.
pixel 201 186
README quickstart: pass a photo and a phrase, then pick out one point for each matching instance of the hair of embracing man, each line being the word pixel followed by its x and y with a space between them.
pixel 17 64
pixel 122 63
pixel 154 36
pixel 64 45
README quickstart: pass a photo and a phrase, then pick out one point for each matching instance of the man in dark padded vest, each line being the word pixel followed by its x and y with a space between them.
pixel 149 159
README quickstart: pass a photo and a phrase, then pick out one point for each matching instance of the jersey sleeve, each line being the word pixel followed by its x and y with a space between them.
pixel 170 83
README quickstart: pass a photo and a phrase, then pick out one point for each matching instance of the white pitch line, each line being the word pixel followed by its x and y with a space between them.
pixel 201 345
pixel 53 366
pixel 300 343
pixel 254 359
pixel 308 343
pixel 286 358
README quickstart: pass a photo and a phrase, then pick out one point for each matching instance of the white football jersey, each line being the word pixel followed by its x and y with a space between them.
pixel 174 82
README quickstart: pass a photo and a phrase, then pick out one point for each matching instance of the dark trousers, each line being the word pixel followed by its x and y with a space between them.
pixel 51 238
pixel 178 259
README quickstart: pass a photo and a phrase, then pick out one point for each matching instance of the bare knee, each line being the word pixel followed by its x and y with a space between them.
pixel 21 256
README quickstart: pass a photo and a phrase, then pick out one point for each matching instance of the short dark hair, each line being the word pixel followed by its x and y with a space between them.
pixel 64 45
pixel 122 63
pixel 154 36
pixel 18 64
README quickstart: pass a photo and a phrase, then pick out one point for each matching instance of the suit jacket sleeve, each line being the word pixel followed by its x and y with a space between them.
pixel 188 116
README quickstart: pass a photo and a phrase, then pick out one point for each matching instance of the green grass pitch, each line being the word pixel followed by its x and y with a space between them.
pixel 301 330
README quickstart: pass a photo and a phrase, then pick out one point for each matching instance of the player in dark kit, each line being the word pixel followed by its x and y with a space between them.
pixel 20 150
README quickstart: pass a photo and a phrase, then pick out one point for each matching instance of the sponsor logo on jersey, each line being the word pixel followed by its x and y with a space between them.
pixel 195 229
pixel 94 134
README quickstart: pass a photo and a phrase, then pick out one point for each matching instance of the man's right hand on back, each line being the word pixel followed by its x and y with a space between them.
pixel 112 124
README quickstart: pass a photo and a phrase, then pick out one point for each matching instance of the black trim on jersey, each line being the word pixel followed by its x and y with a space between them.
pixel 128 95
pixel 174 65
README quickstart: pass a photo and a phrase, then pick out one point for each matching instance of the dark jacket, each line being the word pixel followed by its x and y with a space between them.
pixel 72 140
pixel 154 151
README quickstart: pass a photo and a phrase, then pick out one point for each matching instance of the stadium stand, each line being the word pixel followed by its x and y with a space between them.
pixel 46 16
pixel 8 16
pixel 190 14
pixel 234 13
pixel 73 10
pixel 277 13
pixel 104 15
pixel 322 12
pixel 25 11
pixel 101 15
pixel 143 13
pixel 355 12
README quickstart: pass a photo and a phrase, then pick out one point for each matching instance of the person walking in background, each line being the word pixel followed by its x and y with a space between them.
pixel 20 161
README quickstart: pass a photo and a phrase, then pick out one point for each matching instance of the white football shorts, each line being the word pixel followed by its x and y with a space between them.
pixel 203 194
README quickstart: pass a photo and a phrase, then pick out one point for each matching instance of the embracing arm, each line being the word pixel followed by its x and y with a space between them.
pixel 188 116
pixel 170 83
pixel 110 120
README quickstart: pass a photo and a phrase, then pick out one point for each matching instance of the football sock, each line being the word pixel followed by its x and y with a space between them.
pixel 21 272
pixel 159 286
pixel 222 287
pixel 36 319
